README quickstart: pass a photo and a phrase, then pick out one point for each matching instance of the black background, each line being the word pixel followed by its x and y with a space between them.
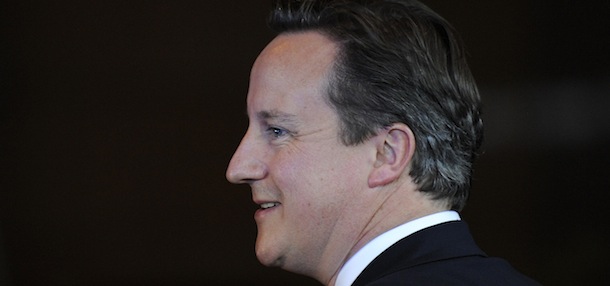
pixel 118 119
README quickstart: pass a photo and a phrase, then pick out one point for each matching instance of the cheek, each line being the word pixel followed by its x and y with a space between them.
pixel 298 166
pixel 302 178
pixel 317 176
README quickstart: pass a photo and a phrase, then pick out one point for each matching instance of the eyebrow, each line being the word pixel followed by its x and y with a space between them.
pixel 275 115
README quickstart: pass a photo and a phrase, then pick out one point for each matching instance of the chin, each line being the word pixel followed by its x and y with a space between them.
pixel 269 260
pixel 267 254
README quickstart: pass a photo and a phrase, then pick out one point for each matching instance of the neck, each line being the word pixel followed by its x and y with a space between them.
pixel 386 209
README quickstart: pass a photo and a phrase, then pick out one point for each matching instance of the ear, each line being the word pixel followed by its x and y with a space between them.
pixel 394 153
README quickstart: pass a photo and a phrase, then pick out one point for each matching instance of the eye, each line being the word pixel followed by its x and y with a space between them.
pixel 276 132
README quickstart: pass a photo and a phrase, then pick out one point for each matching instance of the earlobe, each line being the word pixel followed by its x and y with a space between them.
pixel 394 153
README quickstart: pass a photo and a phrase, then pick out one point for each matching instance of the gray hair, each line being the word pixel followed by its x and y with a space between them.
pixel 399 61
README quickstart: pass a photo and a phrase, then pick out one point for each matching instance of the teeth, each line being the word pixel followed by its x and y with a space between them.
pixel 269 205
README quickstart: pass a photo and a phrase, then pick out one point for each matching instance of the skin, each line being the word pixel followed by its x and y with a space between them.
pixel 330 199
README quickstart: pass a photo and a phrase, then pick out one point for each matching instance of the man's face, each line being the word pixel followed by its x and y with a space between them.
pixel 306 181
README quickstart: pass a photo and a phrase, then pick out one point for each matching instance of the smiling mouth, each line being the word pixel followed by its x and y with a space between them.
pixel 269 205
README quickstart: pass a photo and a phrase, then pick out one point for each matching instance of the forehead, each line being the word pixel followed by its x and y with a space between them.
pixel 308 49
pixel 292 70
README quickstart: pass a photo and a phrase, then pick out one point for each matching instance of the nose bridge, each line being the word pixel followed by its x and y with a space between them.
pixel 246 164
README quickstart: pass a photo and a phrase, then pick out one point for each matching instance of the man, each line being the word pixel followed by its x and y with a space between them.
pixel 364 123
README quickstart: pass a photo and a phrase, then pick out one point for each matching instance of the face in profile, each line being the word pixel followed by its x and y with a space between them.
pixel 305 180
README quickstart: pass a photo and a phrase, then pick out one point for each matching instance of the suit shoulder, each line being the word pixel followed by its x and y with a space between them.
pixel 458 271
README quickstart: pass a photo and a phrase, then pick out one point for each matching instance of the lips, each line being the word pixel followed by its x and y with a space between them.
pixel 265 209
pixel 269 205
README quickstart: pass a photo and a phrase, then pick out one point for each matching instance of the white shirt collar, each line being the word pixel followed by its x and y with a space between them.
pixel 363 257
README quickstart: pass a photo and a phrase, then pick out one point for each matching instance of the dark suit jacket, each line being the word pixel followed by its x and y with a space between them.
pixel 444 254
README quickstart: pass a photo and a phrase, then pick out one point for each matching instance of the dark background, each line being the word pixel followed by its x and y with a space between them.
pixel 118 119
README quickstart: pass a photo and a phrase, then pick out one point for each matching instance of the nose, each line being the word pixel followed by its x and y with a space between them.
pixel 246 166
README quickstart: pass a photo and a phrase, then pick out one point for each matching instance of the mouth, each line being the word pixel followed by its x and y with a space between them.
pixel 265 209
pixel 265 206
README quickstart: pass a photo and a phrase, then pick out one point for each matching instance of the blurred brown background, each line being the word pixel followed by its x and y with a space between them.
pixel 118 119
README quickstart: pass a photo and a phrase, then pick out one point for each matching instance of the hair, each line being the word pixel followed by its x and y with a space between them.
pixel 399 62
